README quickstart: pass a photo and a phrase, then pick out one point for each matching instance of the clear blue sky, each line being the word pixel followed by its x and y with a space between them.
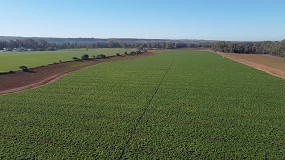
pixel 173 19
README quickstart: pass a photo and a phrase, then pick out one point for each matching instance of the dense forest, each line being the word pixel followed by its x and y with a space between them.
pixel 276 48
pixel 39 44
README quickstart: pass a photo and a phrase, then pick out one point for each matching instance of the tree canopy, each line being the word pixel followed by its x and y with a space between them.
pixel 267 47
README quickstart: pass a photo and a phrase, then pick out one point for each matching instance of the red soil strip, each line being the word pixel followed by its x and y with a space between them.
pixel 269 64
pixel 19 81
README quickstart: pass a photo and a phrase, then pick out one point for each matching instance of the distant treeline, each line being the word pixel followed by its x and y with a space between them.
pixel 267 47
pixel 275 48
pixel 37 44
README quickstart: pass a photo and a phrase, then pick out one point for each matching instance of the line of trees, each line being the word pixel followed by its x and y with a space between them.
pixel 276 48
pixel 101 56
pixel 42 45
pixel 28 43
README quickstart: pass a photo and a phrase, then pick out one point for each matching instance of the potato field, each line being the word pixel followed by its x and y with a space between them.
pixel 176 105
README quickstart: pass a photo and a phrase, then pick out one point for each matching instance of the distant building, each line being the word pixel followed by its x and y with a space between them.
pixel 4 50
pixel 20 49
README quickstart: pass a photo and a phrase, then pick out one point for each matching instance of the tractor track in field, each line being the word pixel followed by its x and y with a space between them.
pixel 140 118
pixel 39 76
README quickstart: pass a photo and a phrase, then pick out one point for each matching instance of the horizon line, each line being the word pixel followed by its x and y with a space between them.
pixel 140 38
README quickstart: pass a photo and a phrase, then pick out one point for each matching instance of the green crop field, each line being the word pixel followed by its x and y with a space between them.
pixel 12 60
pixel 177 105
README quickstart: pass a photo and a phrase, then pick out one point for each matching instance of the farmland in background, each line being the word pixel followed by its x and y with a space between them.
pixel 12 60
pixel 180 104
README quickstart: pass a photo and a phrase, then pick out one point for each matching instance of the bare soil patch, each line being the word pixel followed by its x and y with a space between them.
pixel 19 81
pixel 270 64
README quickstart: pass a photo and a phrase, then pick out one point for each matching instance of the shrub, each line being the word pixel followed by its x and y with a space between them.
pixel 118 54
pixel 2 73
pixel 85 57
pixel 75 58
pixel 11 72
pixel 126 53
pixel 101 56
pixel 24 68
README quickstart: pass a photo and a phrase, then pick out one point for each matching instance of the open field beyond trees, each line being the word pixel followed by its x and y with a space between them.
pixel 176 105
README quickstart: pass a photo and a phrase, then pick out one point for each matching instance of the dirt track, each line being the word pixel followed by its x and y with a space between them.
pixel 19 81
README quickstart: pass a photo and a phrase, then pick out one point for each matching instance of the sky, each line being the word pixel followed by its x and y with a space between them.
pixel 250 20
